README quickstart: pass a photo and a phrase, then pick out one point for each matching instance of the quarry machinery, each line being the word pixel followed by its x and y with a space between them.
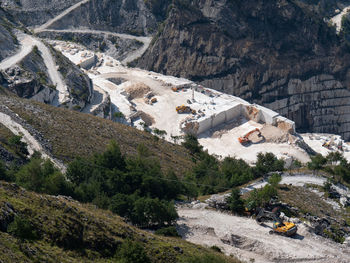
pixel 245 138
pixel 185 109
pixel 279 226
pixel 329 144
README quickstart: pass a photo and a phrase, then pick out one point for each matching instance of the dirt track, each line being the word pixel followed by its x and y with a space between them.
pixel 247 240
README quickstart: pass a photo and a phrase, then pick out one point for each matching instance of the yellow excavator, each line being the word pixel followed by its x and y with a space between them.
pixel 185 109
pixel 279 226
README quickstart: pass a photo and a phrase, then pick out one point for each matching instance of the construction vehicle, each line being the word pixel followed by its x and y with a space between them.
pixel 328 144
pixel 245 138
pixel 279 226
pixel 183 109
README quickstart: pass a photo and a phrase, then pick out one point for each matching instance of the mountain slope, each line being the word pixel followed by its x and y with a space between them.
pixel 69 134
pixel 67 231
pixel 274 53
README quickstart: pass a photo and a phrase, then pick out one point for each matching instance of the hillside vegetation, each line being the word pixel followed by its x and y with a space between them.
pixel 41 228
pixel 73 134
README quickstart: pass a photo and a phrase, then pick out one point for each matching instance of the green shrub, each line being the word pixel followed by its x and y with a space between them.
pixel 235 202
pixel 191 143
pixel 317 162
pixel 131 252
pixel 168 232
pixel 22 228
pixel 266 163
pixel 275 179
pixel 20 147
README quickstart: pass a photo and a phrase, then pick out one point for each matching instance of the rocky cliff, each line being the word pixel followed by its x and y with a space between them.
pixel 274 53
pixel 130 16
pixel 36 12
pixel 30 79
pixel 8 41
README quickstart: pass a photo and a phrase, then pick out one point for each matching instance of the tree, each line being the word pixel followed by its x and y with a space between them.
pixel 266 163
pixel 150 212
pixel 112 157
pixel 191 143
pixel 236 171
pixel 317 162
pixel 79 170
pixel 275 179
pixel 260 197
pixel 334 157
pixel 22 228
pixel 42 176
pixel 235 202
pixel 19 146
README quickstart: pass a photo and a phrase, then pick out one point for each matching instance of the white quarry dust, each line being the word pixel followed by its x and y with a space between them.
pixel 27 43
pixel 227 144
pixel 296 180
pixel 222 142
pixel 33 144
pixel 64 13
pixel 250 241
pixel 337 19
pixel 130 57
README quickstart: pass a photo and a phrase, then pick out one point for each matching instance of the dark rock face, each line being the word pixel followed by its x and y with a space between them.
pixel 130 16
pixel 7 214
pixel 273 53
pixel 78 83
pixel 29 79
pixel 8 40
pixel 37 12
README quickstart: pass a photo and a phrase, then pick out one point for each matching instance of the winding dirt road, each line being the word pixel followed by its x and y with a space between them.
pixel 60 16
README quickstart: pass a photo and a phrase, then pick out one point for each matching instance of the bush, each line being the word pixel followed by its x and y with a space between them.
pixel 266 163
pixel 168 232
pixel 22 228
pixel 235 202
pixel 131 252
pixel 260 197
pixel 317 162
pixel 149 212
pixel 42 176
pixel 191 143
pixel 236 171
pixel 19 146
pixel 275 179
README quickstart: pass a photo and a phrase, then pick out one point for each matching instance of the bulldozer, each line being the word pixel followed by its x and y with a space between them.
pixel 184 109
pixel 279 226
pixel 245 138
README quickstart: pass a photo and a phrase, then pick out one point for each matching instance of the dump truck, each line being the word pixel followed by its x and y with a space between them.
pixel 245 138
pixel 279 226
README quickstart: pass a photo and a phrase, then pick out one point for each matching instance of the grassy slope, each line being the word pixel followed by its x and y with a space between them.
pixel 64 224
pixel 77 134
